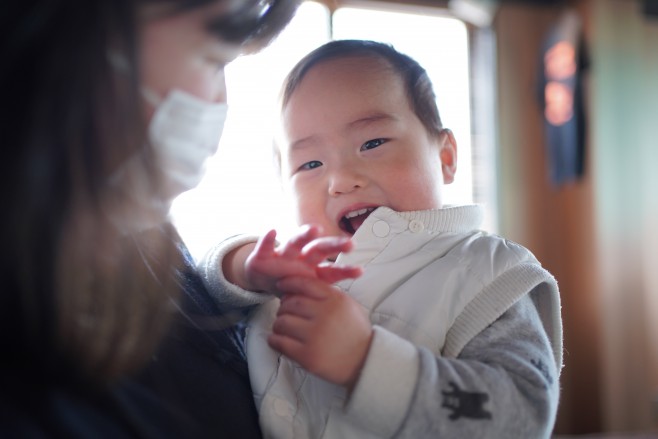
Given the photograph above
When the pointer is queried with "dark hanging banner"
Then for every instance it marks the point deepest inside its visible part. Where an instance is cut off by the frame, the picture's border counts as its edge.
(650, 8)
(561, 98)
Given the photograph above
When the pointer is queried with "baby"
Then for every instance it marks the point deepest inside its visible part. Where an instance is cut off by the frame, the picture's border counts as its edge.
(388, 314)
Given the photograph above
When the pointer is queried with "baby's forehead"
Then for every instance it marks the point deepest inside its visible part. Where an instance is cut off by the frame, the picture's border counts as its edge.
(367, 63)
(346, 85)
(344, 77)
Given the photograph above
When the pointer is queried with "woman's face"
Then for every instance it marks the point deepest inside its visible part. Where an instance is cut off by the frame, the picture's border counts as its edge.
(178, 51)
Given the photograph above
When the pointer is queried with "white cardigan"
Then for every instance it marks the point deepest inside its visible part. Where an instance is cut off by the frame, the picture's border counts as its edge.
(431, 281)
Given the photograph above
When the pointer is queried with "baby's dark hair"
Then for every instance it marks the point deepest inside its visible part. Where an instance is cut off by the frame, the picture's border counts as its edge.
(418, 86)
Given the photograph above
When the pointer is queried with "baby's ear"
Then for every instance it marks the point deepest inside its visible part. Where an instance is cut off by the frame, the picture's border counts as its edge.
(448, 155)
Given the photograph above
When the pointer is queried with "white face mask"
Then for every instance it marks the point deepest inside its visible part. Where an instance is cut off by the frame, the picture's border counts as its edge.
(184, 132)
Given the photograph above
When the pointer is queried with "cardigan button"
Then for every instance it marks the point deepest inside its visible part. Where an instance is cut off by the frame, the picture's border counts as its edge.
(282, 408)
(416, 226)
(381, 229)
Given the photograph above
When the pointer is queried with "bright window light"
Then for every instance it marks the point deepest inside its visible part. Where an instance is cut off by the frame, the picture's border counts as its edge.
(241, 192)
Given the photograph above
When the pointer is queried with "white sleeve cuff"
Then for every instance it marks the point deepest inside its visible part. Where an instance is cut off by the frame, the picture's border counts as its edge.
(382, 395)
(224, 293)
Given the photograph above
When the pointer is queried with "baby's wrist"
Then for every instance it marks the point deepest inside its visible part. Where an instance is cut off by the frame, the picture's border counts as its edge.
(233, 266)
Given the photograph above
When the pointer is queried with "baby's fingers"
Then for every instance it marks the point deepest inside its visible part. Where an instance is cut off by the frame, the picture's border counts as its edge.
(288, 346)
(331, 273)
(294, 246)
(265, 245)
(290, 336)
(308, 286)
(324, 248)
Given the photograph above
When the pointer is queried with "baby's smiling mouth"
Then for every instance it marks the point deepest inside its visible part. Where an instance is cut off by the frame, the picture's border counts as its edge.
(351, 222)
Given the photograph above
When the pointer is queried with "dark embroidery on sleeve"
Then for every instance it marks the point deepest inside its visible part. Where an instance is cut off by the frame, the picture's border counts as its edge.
(543, 369)
(465, 404)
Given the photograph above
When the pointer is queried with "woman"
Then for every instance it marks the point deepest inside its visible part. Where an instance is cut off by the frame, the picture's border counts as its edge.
(110, 109)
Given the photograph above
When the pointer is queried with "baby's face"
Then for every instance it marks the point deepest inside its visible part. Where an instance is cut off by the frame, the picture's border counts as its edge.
(351, 143)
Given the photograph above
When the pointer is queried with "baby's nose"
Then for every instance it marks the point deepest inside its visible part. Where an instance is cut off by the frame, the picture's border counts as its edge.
(345, 180)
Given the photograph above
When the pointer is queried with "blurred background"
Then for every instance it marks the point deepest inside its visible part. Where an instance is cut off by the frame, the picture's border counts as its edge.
(554, 105)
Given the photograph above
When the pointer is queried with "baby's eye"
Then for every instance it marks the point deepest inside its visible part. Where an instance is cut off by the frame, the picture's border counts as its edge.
(372, 144)
(310, 165)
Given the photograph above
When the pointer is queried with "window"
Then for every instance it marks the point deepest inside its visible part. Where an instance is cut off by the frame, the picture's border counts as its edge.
(240, 193)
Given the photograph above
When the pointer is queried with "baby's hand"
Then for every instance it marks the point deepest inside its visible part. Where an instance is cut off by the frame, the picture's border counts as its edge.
(306, 254)
(323, 329)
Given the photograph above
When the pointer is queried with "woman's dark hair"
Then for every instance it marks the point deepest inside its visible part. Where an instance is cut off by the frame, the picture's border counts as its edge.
(254, 22)
(74, 292)
(417, 84)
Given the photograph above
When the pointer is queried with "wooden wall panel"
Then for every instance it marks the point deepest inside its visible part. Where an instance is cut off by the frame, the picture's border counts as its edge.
(554, 222)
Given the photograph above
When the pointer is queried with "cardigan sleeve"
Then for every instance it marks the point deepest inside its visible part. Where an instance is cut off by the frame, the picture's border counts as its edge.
(504, 383)
(226, 295)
